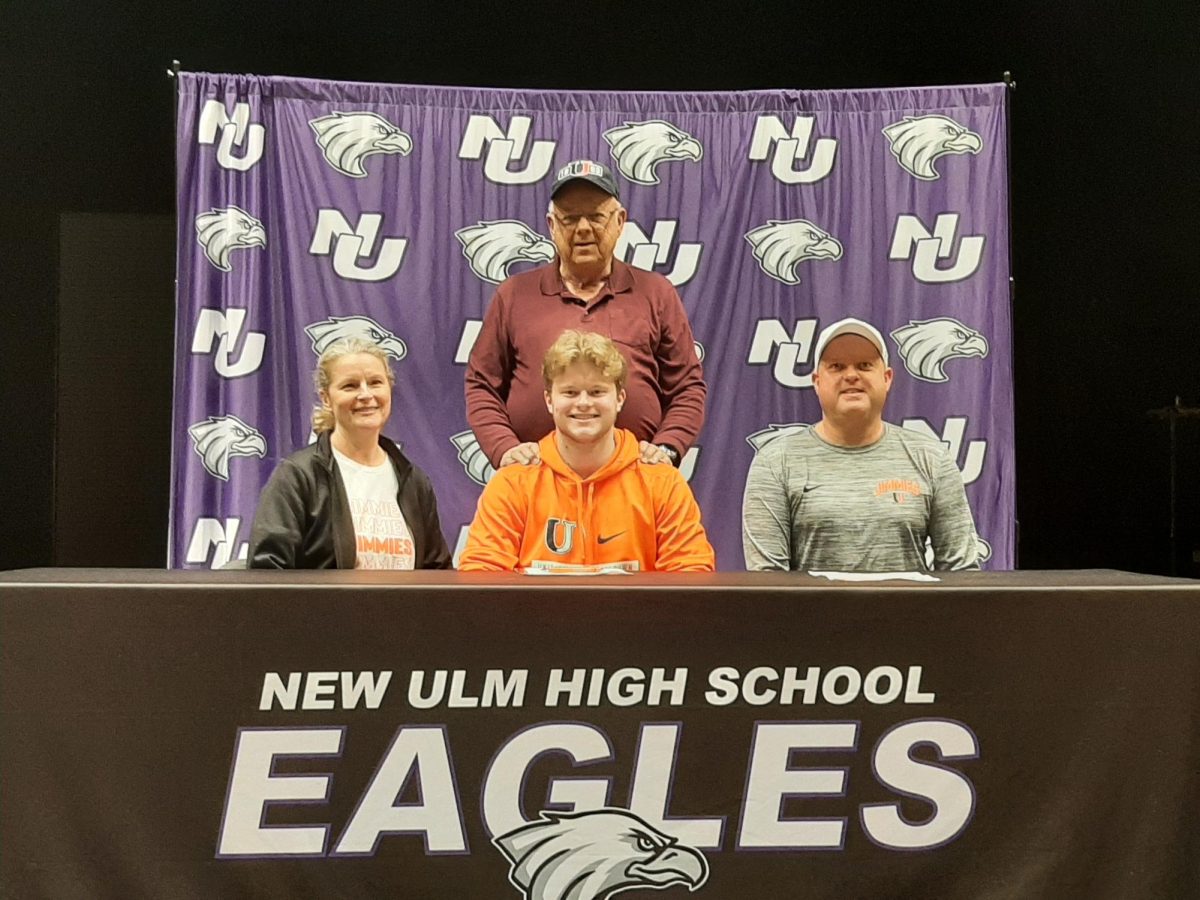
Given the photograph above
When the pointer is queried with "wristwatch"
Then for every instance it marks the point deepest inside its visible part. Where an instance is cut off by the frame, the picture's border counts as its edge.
(671, 452)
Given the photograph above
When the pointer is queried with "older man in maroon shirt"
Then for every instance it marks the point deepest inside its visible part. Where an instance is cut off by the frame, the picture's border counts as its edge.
(587, 289)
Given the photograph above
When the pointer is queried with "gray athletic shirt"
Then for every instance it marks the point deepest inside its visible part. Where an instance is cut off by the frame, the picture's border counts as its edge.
(812, 505)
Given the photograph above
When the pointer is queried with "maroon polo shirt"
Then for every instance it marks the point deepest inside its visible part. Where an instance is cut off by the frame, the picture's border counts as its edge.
(639, 310)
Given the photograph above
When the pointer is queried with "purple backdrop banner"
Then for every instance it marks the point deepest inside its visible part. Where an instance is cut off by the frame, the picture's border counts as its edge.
(312, 210)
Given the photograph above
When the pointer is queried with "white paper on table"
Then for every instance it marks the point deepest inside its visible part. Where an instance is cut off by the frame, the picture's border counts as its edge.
(875, 576)
(539, 568)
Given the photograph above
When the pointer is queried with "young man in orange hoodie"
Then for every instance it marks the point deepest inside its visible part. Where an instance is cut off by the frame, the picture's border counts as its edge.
(590, 504)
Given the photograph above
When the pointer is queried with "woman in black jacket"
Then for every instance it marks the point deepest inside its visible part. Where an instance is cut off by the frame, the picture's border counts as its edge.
(352, 499)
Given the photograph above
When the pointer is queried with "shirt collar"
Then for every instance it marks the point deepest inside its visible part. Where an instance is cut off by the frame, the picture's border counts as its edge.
(620, 280)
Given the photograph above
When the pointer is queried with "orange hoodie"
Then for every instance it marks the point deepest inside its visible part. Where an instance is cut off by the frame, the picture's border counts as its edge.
(628, 515)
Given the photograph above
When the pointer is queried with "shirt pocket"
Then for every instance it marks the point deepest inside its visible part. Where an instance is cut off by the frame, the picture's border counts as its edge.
(631, 329)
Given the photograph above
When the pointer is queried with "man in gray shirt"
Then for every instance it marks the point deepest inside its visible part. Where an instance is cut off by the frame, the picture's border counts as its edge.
(855, 493)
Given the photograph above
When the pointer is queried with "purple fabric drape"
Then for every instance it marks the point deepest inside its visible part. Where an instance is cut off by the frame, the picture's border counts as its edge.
(309, 210)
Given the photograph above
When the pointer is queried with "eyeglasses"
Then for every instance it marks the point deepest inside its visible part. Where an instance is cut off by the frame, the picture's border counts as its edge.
(598, 220)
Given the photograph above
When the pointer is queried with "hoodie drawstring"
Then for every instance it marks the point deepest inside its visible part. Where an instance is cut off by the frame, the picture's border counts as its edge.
(591, 495)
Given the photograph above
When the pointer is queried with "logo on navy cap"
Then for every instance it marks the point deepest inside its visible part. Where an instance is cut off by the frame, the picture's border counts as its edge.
(581, 168)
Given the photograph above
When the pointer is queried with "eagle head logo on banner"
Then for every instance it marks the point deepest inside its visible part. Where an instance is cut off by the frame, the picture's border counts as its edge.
(347, 139)
(919, 141)
(338, 328)
(220, 438)
(780, 246)
(491, 247)
(596, 855)
(927, 345)
(220, 231)
(638, 148)
(474, 461)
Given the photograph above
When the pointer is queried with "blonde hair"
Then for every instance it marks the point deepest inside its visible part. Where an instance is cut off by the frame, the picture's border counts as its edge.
(322, 418)
(587, 347)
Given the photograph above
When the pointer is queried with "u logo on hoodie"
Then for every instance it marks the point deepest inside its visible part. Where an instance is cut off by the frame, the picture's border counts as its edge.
(560, 536)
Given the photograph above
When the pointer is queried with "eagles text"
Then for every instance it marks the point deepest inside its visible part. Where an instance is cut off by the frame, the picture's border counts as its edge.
(771, 813)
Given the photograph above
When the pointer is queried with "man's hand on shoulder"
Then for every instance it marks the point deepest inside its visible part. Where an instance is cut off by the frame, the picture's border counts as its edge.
(655, 453)
(526, 454)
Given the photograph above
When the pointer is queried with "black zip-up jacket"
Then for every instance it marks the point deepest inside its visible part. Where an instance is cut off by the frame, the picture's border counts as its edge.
(303, 518)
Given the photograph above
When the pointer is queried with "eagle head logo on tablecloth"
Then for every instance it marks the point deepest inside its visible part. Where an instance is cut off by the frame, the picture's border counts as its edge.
(474, 460)
(638, 148)
(337, 328)
(927, 345)
(347, 139)
(221, 231)
(919, 141)
(780, 246)
(596, 855)
(491, 247)
(761, 438)
(220, 438)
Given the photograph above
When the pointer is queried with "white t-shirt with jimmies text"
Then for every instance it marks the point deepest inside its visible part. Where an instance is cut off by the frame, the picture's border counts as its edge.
(382, 539)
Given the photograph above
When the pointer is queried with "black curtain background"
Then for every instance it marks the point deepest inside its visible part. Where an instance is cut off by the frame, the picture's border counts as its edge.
(1105, 129)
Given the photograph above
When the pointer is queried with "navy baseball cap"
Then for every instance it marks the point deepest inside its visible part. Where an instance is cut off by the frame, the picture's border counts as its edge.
(586, 170)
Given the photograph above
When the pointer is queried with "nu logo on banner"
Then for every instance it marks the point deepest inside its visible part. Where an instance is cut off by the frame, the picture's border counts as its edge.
(218, 538)
(911, 235)
(646, 252)
(792, 147)
(350, 245)
(504, 148)
(970, 462)
(225, 329)
(235, 130)
(771, 338)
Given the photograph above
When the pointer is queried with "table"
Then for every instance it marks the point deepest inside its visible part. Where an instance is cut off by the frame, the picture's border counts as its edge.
(436, 734)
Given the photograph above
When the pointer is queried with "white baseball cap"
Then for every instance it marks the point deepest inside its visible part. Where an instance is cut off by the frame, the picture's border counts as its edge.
(851, 326)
